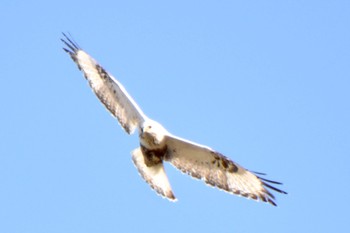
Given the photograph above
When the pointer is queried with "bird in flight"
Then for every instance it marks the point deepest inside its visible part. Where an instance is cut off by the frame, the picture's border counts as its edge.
(157, 145)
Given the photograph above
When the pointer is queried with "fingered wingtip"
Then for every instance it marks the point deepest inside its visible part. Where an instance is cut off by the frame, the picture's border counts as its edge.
(67, 50)
(73, 47)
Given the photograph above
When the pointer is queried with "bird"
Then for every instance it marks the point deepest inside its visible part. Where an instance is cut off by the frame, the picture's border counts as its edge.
(158, 146)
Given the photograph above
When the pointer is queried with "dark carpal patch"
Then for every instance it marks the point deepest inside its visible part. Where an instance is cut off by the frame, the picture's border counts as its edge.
(221, 161)
(102, 72)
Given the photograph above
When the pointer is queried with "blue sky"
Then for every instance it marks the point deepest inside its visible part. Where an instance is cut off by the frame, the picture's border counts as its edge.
(265, 83)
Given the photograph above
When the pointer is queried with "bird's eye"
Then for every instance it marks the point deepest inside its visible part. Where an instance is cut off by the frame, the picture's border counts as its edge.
(150, 127)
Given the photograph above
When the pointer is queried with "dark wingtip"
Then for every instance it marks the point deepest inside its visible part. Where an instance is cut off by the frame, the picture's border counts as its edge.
(270, 181)
(269, 198)
(272, 202)
(267, 183)
(274, 188)
(73, 47)
(67, 50)
(259, 173)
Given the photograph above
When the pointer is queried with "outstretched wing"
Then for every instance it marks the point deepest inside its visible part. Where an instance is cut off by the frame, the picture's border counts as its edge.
(153, 174)
(109, 91)
(217, 170)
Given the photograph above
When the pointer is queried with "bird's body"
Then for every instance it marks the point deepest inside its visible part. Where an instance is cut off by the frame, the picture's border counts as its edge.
(157, 145)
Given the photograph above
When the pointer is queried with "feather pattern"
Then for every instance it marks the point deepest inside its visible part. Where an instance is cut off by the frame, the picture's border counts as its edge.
(109, 91)
(216, 170)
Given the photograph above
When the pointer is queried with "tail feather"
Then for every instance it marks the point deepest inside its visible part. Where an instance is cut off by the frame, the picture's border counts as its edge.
(154, 175)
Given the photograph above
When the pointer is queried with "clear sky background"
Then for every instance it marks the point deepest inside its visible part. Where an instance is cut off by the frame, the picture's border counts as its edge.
(267, 83)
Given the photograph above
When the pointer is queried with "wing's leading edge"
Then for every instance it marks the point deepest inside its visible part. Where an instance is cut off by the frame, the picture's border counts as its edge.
(109, 91)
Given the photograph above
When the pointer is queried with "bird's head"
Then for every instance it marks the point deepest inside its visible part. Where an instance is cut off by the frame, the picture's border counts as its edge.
(152, 134)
